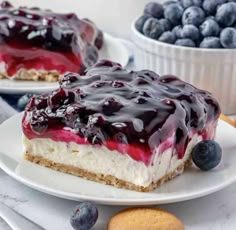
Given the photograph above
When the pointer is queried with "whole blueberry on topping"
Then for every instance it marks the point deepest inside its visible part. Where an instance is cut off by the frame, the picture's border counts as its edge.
(226, 14)
(168, 37)
(152, 28)
(23, 101)
(154, 9)
(207, 155)
(6, 4)
(177, 30)
(166, 24)
(140, 22)
(193, 15)
(209, 28)
(173, 12)
(185, 42)
(190, 31)
(211, 42)
(188, 3)
(210, 6)
(84, 216)
(69, 78)
(39, 122)
(228, 38)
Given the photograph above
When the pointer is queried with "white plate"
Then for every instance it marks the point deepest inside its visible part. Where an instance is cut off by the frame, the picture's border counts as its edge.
(113, 49)
(192, 184)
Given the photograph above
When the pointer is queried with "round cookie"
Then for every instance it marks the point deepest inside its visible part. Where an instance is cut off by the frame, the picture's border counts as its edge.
(144, 219)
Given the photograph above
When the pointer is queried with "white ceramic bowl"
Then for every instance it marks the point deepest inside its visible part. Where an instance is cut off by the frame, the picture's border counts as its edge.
(210, 69)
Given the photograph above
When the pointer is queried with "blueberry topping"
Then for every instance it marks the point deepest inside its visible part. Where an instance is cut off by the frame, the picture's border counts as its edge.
(166, 24)
(84, 216)
(140, 106)
(193, 15)
(188, 3)
(209, 28)
(191, 32)
(173, 12)
(226, 14)
(152, 28)
(168, 37)
(207, 155)
(140, 22)
(228, 38)
(154, 9)
(210, 6)
(185, 42)
(211, 43)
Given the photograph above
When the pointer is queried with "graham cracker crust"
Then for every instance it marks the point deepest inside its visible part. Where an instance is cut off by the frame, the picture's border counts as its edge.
(33, 75)
(104, 179)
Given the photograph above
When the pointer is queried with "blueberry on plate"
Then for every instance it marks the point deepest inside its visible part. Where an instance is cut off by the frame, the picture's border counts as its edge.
(226, 14)
(228, 38)
(154, 9)
(185, 42)
(190, 31)
(211, 43)
(210, 6)
(168, 37)
(193, 15)
(209, 28)
(84, 216)
(23, 101)
(152, 28)
(206, 155)
(166, 24)
(140, 22)
(188, 3)
(174, 12)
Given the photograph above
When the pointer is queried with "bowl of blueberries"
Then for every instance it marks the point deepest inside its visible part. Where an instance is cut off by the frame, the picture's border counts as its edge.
(192, 39)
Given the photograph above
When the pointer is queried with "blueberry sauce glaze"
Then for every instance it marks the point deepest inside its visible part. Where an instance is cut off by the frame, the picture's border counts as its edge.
(32, 38)
(131, 112)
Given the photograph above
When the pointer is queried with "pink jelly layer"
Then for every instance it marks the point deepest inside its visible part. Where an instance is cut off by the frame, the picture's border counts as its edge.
(136, 152)
(19, 57)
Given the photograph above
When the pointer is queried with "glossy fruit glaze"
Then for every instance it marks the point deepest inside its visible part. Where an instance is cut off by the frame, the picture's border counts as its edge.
(32, 38)
(131, 112)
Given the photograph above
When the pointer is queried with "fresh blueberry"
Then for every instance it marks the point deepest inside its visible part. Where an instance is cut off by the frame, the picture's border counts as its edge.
(210, 6)
(174, 12)
(84, 216)
(140, 22)
(154, 9)
(228, 38)
(188, 3)
(185, 42)
(207, 155)
(209, 28)
(226, 14)
(193, 15)
(211, 43)
(167, 3)
(190, 31)
(166, 24)
(23, 101)
(177, 30)
(168, 37)
(152, 28)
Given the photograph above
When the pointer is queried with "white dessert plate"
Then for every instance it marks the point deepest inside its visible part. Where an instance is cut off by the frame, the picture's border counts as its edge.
(192, 184)
(113, 49)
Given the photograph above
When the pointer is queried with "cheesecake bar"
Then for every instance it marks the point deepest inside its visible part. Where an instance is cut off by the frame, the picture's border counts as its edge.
(41, 45)
(129, 129)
